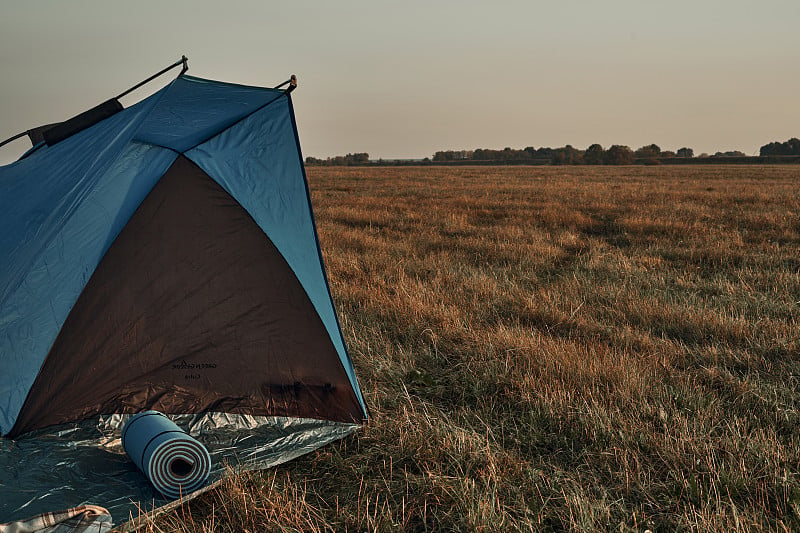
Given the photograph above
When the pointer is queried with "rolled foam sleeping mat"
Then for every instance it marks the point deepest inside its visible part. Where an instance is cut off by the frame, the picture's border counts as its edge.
(174, 462)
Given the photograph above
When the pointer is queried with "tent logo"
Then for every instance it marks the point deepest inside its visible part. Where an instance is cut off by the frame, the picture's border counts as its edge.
(183, 365)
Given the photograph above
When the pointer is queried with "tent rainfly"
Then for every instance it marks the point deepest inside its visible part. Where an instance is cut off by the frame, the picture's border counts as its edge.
(165, 257)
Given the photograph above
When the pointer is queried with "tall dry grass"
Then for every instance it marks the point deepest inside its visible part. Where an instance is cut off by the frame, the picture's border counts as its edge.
(552, 349)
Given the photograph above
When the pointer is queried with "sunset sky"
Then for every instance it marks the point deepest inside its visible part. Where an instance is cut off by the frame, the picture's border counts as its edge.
(405, 79)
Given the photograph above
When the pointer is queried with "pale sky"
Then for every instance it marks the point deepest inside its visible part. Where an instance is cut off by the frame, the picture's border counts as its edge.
(405, 79)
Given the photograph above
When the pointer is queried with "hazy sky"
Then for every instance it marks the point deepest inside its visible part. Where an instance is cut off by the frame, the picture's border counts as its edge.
(405, 79)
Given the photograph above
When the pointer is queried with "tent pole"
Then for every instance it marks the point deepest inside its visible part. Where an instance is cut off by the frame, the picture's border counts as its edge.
(292, 84)
(14, 138)
(182, 61)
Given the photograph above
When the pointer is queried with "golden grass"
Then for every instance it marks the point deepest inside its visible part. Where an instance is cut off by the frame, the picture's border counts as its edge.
(552, 348)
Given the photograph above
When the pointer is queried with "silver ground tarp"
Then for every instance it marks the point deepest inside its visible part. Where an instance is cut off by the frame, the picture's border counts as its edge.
(84, 463)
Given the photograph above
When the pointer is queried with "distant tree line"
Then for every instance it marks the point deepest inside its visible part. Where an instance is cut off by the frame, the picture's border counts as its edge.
(360, 158)
(790, 147)
(595, 154)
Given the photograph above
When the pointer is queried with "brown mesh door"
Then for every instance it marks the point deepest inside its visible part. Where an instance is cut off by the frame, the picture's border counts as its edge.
(192, 309)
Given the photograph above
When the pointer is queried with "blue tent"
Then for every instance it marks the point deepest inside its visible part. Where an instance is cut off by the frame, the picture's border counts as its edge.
(165, 257)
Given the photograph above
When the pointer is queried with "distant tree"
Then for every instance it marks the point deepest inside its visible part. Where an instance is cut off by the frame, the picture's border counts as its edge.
(685, 152)
(648, 152)
(790, 147)
(452, 155)
(594, 155)
(731, 153)
(510, 154)
(483, 154)
(571, 155)
(359, 158)
(668, 153)
(773, 148)
(649, 155)
(618, 155)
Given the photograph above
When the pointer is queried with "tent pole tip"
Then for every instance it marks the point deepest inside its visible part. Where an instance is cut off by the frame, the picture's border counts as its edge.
(292, 84)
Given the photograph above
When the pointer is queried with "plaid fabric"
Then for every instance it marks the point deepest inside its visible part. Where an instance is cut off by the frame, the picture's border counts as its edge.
(83, 519)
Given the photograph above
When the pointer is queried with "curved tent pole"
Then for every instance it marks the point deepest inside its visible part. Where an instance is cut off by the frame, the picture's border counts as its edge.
(183, 61)
(14, 138)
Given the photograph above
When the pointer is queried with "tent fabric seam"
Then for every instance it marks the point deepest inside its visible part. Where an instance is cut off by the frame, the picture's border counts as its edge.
(232, 124)
(72, 305)
(156, 145)
(230, 84)
(354, 383)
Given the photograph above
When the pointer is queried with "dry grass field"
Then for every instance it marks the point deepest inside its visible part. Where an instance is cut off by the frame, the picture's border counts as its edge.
(552, 348)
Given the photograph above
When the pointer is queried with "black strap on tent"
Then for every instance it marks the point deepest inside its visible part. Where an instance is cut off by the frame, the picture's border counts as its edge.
(70, 127)
(53, 133)
(292, 84)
